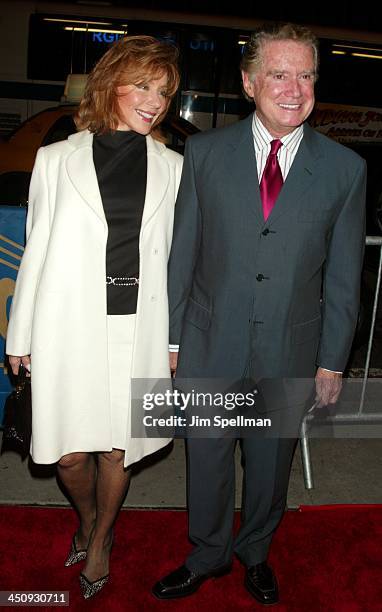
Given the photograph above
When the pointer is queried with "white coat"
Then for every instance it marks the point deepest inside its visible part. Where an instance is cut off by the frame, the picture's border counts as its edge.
(59, 313)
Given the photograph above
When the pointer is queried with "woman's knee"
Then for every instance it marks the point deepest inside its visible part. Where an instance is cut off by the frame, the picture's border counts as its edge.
(74, 460)
(114, 457)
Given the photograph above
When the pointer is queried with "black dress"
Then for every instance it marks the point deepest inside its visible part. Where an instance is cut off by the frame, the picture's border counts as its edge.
(120, 160)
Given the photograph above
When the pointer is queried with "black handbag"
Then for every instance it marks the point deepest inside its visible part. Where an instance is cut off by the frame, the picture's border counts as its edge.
(17, 422)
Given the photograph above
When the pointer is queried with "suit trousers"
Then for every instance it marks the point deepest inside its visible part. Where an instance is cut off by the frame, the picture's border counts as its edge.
(211, 498)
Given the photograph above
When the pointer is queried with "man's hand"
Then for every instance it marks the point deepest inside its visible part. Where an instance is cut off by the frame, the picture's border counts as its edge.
(173, 357)
(328, 387)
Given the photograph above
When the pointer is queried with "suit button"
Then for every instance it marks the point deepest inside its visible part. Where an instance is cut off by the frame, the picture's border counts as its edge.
(260, 277)
(265, 232)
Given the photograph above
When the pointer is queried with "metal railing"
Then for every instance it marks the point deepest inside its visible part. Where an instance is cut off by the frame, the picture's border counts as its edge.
(359, 415)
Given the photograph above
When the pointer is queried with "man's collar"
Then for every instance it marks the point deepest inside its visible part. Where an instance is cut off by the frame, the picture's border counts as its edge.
(263, 138)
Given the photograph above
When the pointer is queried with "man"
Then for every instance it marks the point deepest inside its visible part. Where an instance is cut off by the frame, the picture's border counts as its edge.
(264, 278)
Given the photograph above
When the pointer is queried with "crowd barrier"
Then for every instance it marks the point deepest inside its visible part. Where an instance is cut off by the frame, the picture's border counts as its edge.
(360, 416)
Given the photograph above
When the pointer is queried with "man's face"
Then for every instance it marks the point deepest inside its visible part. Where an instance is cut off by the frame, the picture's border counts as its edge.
(283, 87)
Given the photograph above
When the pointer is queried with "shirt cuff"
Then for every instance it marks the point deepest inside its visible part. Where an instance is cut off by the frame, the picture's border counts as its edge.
(173, 348)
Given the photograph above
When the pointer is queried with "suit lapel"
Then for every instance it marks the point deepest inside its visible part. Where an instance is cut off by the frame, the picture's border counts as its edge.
(158, 177)
(81, 171)
(241, 171)
(301, 176)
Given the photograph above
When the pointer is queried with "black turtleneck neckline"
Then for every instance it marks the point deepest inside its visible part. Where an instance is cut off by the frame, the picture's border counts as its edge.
(115, 138)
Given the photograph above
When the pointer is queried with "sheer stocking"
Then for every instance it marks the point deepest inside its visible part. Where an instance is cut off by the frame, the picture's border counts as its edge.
(77, 472)
(111, 487)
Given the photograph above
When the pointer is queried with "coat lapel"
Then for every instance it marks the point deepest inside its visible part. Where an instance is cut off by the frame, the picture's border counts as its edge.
(82, 173)
(158, 178)
(303, 173)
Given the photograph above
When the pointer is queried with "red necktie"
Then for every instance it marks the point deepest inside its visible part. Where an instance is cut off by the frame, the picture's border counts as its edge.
(272, 179)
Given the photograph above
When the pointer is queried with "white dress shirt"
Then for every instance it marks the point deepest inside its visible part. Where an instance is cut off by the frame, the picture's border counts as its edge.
(286, 154)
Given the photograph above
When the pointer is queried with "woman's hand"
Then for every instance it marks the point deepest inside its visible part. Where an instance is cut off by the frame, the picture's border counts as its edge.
(15, 362)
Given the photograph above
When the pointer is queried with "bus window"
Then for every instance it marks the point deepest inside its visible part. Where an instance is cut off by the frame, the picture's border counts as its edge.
(230, 56)
(199, 62)
(79, 43)
(350, 73)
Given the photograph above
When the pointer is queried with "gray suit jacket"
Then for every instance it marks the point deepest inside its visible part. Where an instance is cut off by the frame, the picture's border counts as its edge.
(241, 288)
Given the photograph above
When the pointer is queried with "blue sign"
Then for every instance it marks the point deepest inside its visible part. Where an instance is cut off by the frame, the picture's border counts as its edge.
(202, 45)
(104, 37)
(12, 238)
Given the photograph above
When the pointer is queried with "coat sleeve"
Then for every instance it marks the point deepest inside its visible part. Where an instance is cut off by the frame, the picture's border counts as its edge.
(342, 277)
(185, 245)
(37, 233)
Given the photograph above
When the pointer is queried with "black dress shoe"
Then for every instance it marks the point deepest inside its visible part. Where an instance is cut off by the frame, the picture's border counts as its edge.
(261, 582)
(183, 582)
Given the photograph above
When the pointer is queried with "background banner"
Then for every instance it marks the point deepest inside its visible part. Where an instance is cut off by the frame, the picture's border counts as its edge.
(12, 239)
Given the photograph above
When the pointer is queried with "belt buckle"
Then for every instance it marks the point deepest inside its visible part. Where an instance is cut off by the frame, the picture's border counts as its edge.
(120, 281)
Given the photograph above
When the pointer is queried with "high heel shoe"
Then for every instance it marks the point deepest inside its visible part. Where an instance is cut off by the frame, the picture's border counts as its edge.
(89, 589)
(75, 555)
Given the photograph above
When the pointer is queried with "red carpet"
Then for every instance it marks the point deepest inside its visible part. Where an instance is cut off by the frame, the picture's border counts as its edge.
(327, 558)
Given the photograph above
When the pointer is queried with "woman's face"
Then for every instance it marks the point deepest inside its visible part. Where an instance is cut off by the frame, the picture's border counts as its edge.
(141, 104)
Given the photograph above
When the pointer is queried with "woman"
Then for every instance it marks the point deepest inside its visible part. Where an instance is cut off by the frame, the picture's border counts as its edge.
(99, 227)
